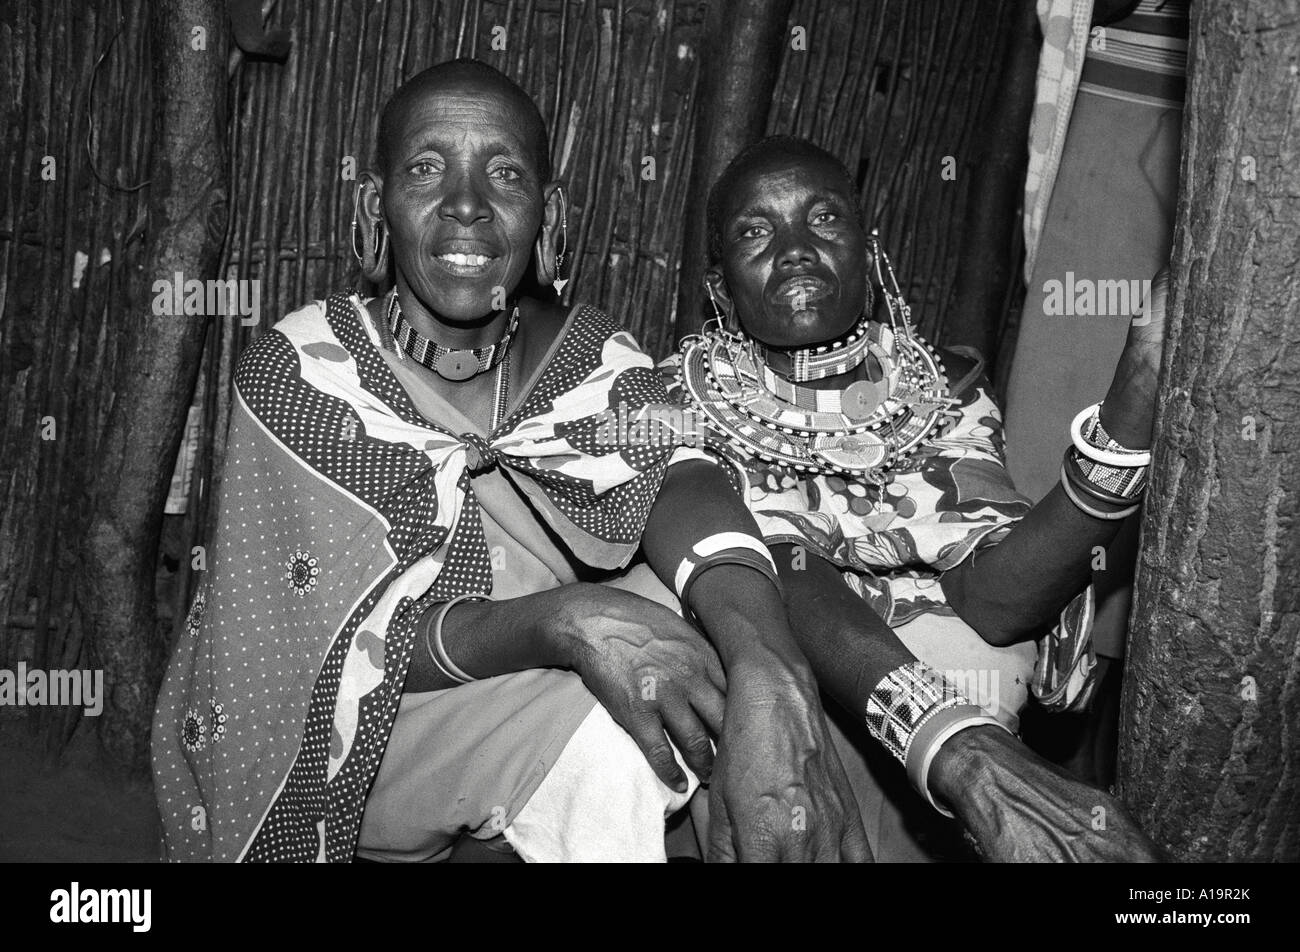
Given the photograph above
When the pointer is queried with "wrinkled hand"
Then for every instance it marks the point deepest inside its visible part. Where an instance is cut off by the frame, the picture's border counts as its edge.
(1021, 809)
(779, 792)
(653, 672)
(1147, 329)
(1128, 411)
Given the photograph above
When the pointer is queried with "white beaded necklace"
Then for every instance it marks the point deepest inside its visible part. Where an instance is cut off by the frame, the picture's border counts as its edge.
(865, 429)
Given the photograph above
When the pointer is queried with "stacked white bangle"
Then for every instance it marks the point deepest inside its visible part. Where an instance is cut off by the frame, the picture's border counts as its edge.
(1125, 459)
(433, 640)
(1102, 478)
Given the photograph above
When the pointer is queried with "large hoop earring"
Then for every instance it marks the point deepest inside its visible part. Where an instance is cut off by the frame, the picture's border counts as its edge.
(564, 239)
(356, 208)
(562, 252)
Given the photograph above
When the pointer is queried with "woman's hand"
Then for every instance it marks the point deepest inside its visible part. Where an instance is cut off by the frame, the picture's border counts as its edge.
(1147, 330)
(1020, 808)
(779, 792)
(656, 675)
(1128, 412)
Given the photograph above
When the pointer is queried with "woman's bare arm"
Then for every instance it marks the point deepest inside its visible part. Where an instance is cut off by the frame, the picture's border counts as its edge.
(1012, 591)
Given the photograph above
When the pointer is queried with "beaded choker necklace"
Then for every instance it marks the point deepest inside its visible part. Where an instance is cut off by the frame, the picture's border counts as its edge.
(827, 360)
(447, 362)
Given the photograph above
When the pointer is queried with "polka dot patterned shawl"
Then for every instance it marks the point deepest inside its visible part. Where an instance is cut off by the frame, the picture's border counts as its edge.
(344, 515)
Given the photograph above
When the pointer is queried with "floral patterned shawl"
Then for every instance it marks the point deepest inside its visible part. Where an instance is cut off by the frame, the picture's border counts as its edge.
(345, 514)
(952, 499)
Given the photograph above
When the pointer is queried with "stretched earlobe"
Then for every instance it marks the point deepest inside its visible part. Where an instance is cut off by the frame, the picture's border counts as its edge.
(549, 253)
(369, 236)
(544, 262)
(725, 312)
(374, 260)
(369, 241)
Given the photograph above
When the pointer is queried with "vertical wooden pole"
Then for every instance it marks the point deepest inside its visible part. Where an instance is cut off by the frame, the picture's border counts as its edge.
(987, 263)
(115, 607)
(741, 62)
(1209, 752)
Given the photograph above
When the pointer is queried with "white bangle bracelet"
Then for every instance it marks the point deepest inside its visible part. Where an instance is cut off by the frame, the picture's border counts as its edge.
(433, 641)
(1129, 459)
(711, 545)
(933, 749)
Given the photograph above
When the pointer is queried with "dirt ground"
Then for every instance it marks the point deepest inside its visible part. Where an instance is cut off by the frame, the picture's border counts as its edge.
(70, 812)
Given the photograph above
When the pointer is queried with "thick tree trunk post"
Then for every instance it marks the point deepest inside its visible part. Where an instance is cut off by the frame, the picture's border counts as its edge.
(1211, 707)
(738, 76)
(116, 606)
(987, 266)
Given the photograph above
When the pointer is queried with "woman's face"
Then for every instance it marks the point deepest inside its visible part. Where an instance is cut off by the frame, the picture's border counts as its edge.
(794, 258)
(462, 199)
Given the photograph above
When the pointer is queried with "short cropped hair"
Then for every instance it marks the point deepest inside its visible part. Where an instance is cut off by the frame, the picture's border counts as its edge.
(463, 68)
(750, 156)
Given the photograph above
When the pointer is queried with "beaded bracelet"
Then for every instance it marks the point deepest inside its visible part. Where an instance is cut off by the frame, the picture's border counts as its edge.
(1111, 454)
(1073, 471)
(912, 711)
(1108, 514)
(437, 652)
(1128, 480)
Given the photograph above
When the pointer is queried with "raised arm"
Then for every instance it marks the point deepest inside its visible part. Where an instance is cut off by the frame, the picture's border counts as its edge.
(1010, 592)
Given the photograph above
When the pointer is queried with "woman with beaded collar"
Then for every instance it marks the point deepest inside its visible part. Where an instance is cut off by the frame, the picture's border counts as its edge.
(874, 467)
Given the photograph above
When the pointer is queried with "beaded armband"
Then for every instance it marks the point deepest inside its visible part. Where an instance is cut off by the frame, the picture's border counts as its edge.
(903, 701)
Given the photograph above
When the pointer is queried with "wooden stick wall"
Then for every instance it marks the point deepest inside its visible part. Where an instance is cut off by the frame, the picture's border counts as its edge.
(892, 86)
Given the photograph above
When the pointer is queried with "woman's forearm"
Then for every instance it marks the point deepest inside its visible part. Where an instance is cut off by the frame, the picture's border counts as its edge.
(743, 616)
(849, 646)
(485, 639)
(740, 610)
(1012, 591)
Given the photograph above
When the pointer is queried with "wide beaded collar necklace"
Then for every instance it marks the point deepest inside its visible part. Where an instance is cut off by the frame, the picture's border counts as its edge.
(447, 362)
(863, 431)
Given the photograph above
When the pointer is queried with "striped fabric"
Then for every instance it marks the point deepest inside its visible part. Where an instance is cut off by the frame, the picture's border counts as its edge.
(1141, 58)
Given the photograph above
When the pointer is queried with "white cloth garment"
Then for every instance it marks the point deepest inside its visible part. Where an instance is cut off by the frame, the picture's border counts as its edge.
(599, 803)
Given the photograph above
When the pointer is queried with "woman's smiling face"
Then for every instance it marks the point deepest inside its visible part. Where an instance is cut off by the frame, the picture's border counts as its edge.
(794, 261)
(462, 197)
